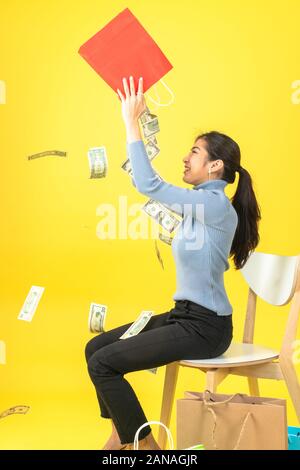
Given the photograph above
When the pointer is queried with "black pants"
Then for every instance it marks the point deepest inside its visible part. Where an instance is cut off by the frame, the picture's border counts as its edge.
(187, 331)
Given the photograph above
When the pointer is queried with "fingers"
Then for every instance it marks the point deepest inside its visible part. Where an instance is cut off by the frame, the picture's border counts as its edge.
(126, 88)
(120, 95)
(140, 88)
(132, 87)
(132, 90)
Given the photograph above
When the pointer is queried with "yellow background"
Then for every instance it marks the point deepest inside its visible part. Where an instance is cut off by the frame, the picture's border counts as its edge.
(234, 65)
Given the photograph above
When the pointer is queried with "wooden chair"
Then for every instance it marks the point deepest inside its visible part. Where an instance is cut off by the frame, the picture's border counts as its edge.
(275, 279)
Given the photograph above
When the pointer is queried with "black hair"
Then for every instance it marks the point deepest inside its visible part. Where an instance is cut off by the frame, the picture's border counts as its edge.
(246, 238)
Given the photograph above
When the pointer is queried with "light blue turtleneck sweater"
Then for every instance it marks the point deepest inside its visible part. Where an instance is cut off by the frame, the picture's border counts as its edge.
(201, 245)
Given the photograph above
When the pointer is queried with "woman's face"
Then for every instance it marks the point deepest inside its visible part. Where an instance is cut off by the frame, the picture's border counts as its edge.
(196, 165)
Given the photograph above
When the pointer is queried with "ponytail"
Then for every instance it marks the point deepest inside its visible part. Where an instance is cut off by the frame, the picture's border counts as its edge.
(246, 236)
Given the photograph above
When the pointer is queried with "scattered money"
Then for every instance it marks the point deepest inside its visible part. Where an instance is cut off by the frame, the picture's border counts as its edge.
(20, 409)
(158, 255)
(46, 153)
(152, 139)
(152, 151)
(2, 92)
(31, 303)
(149, 123)
(127, 167)
(165, 238)
(161, 214)
(151, 127)
(145, 116)
(97, 317)
(138, 325)
(98, 162)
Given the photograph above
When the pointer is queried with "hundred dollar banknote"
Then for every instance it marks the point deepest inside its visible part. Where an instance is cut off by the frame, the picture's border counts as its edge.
(98, 162)
(20, 409)
(161, 214)
(138, 325)
(97, 316)
(31, 303)
(46, 153)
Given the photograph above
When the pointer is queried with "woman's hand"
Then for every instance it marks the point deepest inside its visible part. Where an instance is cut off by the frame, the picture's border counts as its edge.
(133, 105)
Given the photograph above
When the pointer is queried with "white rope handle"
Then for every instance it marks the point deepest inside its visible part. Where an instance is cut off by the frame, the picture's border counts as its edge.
(136, 442)
(162, 104)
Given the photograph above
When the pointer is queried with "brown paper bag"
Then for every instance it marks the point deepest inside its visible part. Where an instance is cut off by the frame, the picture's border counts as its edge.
(230, 422)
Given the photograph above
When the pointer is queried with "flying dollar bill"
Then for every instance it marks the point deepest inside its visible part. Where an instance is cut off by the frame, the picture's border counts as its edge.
(138, 325)
(20, 409)
(126, 166)
(46, 153)
(31, 303)
(145, 116)
(149, 123)
(161, 214)
(164, 238)
(97, 316)
(158, 255)
(98, 162)
(152, 150)
(150, 127)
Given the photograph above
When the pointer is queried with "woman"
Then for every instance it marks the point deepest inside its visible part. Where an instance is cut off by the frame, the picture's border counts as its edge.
(200, 324)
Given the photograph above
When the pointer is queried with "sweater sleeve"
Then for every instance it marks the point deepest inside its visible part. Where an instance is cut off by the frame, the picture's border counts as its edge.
(182, 201)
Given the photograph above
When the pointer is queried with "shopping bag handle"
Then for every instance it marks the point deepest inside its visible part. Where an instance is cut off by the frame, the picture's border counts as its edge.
(207, 401)
(209, 406)
(170, 91)
(170, 438)
(240, 434)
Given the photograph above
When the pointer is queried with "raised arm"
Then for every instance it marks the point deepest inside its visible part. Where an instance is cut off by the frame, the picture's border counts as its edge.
(211, 202)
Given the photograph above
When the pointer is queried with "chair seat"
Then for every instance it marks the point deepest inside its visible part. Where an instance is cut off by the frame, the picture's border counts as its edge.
(236, 355)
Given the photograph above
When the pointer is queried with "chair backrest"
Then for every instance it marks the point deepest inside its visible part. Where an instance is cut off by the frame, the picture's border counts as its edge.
(276, 279)
(272, 277)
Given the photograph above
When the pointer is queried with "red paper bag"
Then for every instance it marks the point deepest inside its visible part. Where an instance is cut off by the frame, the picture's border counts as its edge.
(123, 48)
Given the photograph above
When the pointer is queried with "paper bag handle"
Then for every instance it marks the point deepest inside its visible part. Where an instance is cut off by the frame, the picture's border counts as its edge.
(136, 442)
(170, 91)
(215, 403)
(209, 408)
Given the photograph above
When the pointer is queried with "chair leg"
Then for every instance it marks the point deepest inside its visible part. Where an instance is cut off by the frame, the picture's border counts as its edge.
(214, 377)
(292, 383)
(170, 382)
(253, 386)
(211, 382)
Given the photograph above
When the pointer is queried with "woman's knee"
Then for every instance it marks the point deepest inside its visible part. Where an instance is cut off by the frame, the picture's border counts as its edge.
(96, 343)
(91, 347)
